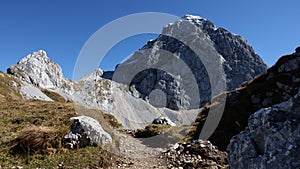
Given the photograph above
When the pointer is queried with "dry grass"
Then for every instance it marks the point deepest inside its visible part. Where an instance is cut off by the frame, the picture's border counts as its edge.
(9, 87)
(159, 135)
(151, 130)
(36, 139)
(31, 135)
(54, 96)
(112, 121)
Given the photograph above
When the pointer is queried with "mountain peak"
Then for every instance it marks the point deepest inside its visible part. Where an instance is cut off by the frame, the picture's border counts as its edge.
(37, 69)
(39, 55)
(193, 17)
(239, 62)
(203, 23)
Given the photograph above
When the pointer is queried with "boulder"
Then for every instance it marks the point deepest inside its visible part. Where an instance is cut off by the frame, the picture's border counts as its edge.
(86, 131)
(163, 120)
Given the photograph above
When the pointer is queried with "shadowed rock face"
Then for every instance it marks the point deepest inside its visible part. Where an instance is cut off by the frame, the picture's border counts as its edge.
(279, 84)
(239, 61)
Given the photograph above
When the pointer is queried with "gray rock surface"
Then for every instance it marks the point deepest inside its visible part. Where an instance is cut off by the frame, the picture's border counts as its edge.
(28, 91)
(162, 72)
(86, 131)
(272, 139)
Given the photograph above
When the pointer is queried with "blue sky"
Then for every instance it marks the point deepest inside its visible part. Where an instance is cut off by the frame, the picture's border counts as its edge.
(61, 27)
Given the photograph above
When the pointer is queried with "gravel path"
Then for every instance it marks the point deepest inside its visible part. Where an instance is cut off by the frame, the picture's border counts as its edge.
(134, 154)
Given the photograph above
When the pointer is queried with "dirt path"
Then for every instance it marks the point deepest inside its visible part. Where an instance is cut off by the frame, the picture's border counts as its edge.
(134, 154)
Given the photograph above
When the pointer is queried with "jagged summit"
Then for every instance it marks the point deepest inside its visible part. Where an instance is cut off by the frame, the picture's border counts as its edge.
(199, 21)
(96, 75)
(37, 69)
(39, 55)
(237, 57)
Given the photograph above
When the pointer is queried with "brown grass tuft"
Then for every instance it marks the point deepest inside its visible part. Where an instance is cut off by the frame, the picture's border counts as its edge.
(36, 139)
(54, 96)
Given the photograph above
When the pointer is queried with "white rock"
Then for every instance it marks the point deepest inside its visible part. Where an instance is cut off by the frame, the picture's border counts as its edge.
(86, 131)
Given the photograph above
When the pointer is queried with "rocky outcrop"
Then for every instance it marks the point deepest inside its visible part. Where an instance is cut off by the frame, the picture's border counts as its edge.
(171, 65)
(271, 140)
(86, 131)
(37, 69)
(279, 84)
(196, 154)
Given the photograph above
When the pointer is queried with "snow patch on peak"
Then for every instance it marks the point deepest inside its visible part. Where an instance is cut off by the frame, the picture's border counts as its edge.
(193, 17)
(203, 23)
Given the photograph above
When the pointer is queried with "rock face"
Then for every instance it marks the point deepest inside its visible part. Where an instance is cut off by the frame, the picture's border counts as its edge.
(279, 84)
(271, 140)
(162, 70)
(163, 120)
(39, 70)
(86, 131)
(196, 154)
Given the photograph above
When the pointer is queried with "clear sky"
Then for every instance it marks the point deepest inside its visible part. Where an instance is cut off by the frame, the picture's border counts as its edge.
(61, 27)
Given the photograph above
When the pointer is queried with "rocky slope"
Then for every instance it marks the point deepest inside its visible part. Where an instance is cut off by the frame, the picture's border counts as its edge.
(39, 76)
(279, 84)
(200, 47)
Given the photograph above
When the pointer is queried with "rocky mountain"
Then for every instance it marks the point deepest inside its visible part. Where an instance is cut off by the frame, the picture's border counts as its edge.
(180, 61)
(181, 69)
(40, 78)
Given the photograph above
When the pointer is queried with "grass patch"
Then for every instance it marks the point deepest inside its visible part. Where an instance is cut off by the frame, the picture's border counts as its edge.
(31, 133)
(36, 139)
(160, 135)
(151, 130)
(113, 122)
